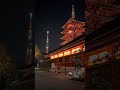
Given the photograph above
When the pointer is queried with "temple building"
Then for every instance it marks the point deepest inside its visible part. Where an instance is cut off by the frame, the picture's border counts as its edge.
(95, 42)
(102, 57)
(74, 33)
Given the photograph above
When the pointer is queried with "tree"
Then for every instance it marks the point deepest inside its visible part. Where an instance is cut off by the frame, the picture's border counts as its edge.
(5, 65)
(38, 53)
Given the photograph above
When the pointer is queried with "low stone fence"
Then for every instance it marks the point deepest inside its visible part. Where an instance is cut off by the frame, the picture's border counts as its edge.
(65, 70)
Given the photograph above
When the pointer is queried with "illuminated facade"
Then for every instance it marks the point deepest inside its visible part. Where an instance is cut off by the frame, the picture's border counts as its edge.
(64, 55)
(74, 40)
(73, 29)
(101, 58)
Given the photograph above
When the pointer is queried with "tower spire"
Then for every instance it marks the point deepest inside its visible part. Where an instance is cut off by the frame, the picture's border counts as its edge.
(30, 20)
(47, 42)
(73, 11)
(29, 43)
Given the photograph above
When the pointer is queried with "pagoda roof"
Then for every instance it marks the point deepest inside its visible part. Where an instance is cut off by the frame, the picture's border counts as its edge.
(100, 3)
(98, 7)
(94, 17)
(65, 42)
(104, 29)
(71, 21)
(77, 31)
(66, 36)
(67, 29)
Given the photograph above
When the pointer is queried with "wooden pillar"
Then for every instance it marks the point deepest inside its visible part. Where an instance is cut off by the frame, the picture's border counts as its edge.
(63, 59)
(88, 79)
(71, 58)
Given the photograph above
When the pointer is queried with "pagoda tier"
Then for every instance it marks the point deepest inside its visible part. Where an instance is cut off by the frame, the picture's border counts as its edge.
(63, 43)
(72, 22)
(74, 32)
(99, 12)
(73, 29)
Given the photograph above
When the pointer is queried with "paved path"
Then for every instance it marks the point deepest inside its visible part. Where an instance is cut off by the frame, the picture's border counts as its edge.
(50, 81)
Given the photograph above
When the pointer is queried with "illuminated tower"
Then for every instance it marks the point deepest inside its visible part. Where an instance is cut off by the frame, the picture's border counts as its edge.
(47, 42)
(72, 29)
(29, 43)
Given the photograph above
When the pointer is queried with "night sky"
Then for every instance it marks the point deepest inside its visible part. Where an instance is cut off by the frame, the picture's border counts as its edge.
(52, 15)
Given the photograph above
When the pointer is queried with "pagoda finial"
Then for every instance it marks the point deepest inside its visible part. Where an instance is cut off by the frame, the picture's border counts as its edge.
(73, 12)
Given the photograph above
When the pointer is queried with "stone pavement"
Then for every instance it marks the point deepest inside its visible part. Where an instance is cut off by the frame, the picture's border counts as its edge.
(59, 81)
(62, 76)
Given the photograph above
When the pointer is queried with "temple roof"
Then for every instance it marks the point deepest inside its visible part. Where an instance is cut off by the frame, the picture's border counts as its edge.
(100, 12)
(72, 22)
(104, 29)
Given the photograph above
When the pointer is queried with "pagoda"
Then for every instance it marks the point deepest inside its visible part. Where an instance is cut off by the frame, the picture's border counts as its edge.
(72, 29)
(99, 12)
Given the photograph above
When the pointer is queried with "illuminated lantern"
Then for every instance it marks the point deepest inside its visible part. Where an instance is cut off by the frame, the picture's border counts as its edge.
(61, 55)
(66, 53)
(77, 50)
(52, 57)
(56, 56)
(73, 51)
(84, 48)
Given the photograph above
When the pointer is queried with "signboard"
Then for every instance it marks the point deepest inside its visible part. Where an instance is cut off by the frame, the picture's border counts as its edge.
(98, 56)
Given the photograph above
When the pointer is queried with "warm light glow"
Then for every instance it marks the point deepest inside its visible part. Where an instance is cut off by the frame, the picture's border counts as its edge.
(61, 55)
(84, 48)
(73, 51)
(70, 32)
(56, 56)
(52, 57)
(76, 50)
(66, 53)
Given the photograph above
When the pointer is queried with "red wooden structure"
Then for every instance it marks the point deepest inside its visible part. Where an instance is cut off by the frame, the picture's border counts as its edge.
(73, 29)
